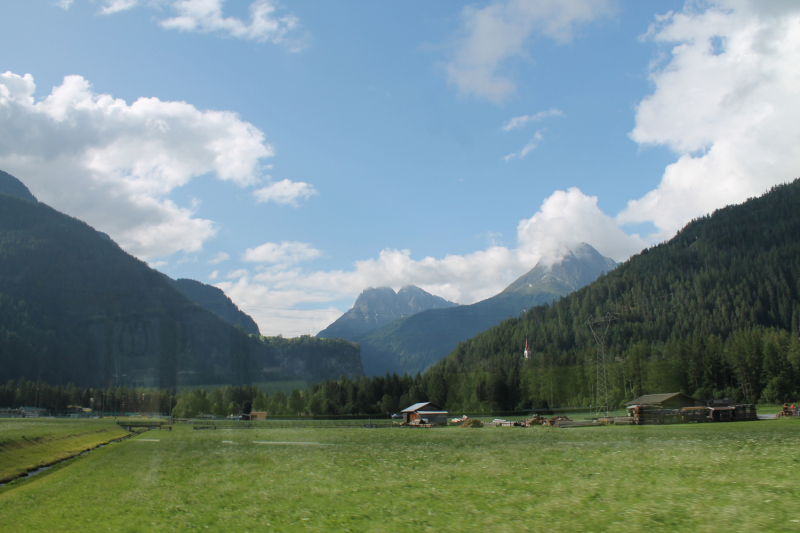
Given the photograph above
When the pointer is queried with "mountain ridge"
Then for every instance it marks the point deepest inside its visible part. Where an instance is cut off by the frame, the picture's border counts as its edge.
(215, 300)
(74, 307)
(377, 306)
(413, 344)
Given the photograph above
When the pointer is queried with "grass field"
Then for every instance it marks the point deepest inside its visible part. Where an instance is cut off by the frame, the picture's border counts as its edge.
(26, 444)
(708, 477)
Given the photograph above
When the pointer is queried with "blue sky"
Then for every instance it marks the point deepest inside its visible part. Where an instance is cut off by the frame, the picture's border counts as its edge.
(296, 153)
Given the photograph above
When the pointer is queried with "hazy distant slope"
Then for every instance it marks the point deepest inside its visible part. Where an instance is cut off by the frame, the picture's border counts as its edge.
(377, 307)
(216, 301)
(413, 344)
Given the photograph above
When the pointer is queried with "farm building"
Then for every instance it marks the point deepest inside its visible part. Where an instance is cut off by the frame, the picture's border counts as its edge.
(671, 400)
(426, 412)
(258, 415)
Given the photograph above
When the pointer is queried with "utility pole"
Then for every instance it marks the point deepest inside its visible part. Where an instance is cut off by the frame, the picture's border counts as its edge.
(599, 328)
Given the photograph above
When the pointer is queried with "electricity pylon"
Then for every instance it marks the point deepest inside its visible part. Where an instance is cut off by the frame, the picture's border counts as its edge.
(599, 332)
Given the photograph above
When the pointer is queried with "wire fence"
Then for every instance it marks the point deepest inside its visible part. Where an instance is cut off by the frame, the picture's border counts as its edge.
(283, 424)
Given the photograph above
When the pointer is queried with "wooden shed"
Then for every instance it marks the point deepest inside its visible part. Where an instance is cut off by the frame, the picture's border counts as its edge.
(426, 412)
(671, 400)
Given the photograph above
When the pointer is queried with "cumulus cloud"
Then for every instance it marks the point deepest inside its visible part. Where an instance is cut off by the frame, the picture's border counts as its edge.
(213, 275)
(518, 122)
(206, 16)
(64, 4)
(285, 253)
(504, 30)
(564, 219)
(114, 164)
(726, 102)
(285, 192)
(570, 217)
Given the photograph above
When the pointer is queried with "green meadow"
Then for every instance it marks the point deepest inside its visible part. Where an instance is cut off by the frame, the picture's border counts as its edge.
(26, 444)
(708, 477)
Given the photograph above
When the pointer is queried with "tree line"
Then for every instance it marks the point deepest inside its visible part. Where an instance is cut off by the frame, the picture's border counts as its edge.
(67, 399)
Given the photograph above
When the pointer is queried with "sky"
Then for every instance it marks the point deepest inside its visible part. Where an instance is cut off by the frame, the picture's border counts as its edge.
(294, 154)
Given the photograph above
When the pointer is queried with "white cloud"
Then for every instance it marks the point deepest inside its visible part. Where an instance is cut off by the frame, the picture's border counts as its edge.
(532, 144)
(236, 274)
(219, 258)
(113, 165)
(115, 6)
(564, 219)
(503, 30)
(206, 16)
(285, 192)
(727, 103)
(65, 4)
(213, 275)
(570, 217)
(285, 253)
(518, 122)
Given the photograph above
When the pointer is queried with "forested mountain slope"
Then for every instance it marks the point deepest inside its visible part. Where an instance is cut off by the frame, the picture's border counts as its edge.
(216, 301)
(714, 312)
(413, 344)
(76, 308)
(13, 187)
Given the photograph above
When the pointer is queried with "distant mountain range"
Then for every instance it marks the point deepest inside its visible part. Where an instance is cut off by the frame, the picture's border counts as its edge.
(377, 307)
(413, 343)
(74, 307)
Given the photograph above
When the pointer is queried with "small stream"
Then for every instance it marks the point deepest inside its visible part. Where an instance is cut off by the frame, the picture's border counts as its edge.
(41, 469)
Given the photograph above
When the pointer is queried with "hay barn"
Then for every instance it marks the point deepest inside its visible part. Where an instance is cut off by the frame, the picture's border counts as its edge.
(425, 411)
(671, 400)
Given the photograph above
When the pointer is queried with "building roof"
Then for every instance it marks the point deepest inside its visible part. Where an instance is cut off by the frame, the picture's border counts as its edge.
(432, 408)
(657, 398)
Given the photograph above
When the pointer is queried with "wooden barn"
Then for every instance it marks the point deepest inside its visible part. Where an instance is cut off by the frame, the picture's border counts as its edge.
(426, 413)
(670, 400)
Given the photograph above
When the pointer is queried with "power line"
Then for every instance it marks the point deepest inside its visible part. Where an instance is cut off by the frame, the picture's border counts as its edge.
(599, 332)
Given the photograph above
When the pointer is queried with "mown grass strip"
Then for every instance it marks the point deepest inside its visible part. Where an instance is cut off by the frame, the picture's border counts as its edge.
(26, 445)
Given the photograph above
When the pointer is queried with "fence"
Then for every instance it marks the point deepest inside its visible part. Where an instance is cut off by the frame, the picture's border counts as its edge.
(283, 424)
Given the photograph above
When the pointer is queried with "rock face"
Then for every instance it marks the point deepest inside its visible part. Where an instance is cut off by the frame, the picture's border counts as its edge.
(216, 301)
(578, 268)
(76, 308)
(377, 307)
(413, 344)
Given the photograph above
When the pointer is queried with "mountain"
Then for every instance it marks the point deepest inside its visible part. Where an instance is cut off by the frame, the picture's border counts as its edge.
(377, 307)
(579, 267)
(713, 312)
(216, 301)
(13, 187)
(76, 308)
(412, 344)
